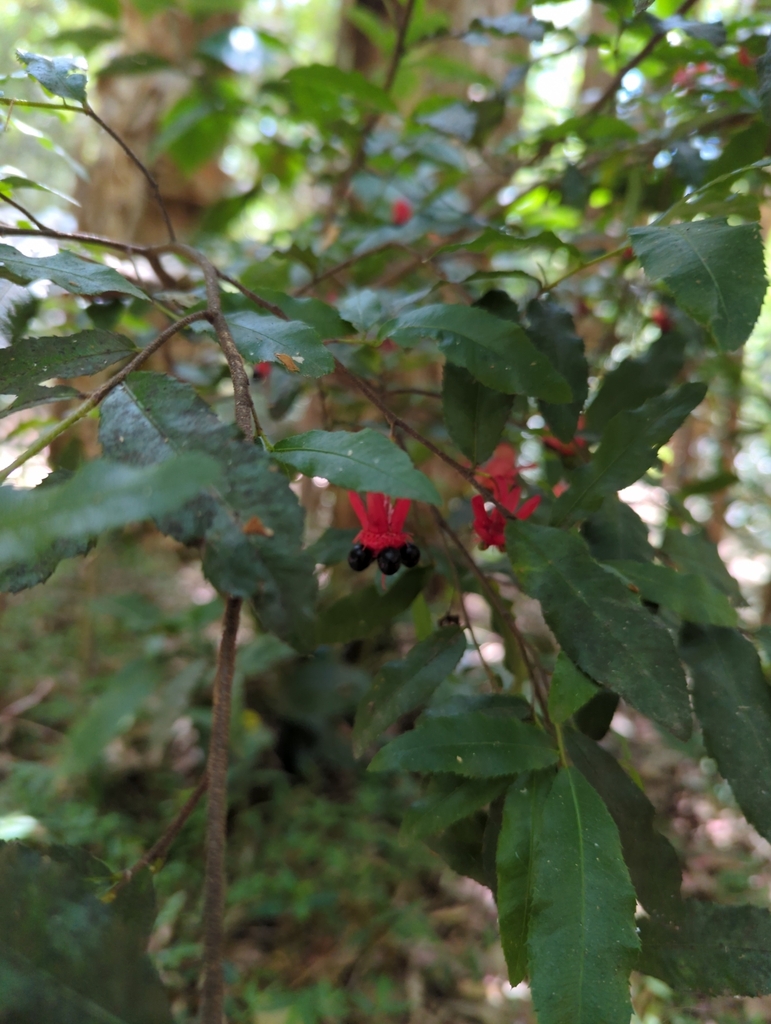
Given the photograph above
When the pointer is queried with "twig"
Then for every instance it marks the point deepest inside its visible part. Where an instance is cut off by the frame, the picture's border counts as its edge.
(90, 112)
(245, 411)
(505, 616)
(646, 51)
(263, 303)
(584, 266)
(102, 391)
(159, 850)
(31, 217)
(344, 265)
(213, 989)
(30, 700)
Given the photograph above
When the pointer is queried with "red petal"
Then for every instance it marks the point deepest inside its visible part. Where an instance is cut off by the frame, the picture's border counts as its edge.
(399, 514)
(528, 507)
(358, 507)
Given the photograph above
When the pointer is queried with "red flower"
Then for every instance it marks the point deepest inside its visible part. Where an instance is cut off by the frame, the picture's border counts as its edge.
(662, 319)
(401, 211)
(744, 57)
(382, 523)
(262, 371)
(500, 475)
(571, 448)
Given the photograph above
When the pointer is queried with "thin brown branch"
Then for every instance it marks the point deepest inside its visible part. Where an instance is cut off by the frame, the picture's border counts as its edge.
(89, 110)
(213, 988)
(17, 206)
(345, 264)
(507, 619)
(102, 391)
(646, 51)
(28, 701)
(262, 303)
(245, 411)
(399, 46)
(159, 850)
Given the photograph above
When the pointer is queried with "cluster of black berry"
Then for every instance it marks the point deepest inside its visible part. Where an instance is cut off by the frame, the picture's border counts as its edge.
(388, 560)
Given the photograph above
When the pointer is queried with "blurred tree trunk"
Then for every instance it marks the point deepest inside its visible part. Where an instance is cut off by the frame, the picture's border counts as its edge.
(116, 200)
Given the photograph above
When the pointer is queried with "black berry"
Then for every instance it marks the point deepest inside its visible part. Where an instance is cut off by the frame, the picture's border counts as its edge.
(410, 555)
(389, 561)
(360, 557)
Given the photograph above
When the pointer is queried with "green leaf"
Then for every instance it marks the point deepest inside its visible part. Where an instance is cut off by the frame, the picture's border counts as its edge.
(264, 338)
(515, 863)
(732, 701)
(366, 611)
(362, 461)
(67, 956)
(324, 319)
(497, 352)
(687, 595)
(36, 395)
(653, 864)
(134, 64)
(616, 531)
(324, 94)
(109, 715)
(695, 553)
(34, 360)
(512, 24)
(636, 379)
(600, 624)
(460, 846)
(715, 271)
(628, 449)
(28, 573)
(570, 689)
(100, 496)
(401, 686)
(86, 38)
(448, 800)
(148, 419)
(550, 328)
(473, 414)
(62, 76)
(70, 272)
(332, 546)
(710, 951)
(582, 943)
(475, 745)
(10, 183)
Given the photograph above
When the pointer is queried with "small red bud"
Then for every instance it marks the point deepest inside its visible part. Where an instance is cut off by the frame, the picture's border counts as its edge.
(628, 253)
(744, 57)
(262, 371)
(401, 211)
(662, 319)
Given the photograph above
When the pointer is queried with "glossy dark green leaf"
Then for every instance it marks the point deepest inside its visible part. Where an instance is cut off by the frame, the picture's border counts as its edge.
(34, 360)
(550, 328)
(595, 718)
(600, 624)
(687, 595)
(100, 496)
(710, 950)
(62, 76)
(265, 338)
(616, 531)
(67, 956)
(460, 846)
(368, 610)
(70, 272)
(497, 352)
(475, 745)
(653, 864)
(515, 864)
(251, 525)
(448, 799)
(715, 271)
(696, 553)
(401, 686)
(636, 379)
(582, 943)
(628, 449)
(28, 573)
(473, 414)
(570, 689)
(361, 461)
(732, 701)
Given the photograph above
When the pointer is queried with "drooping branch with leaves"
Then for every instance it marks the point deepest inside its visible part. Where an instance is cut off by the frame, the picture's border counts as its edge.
(483, 374)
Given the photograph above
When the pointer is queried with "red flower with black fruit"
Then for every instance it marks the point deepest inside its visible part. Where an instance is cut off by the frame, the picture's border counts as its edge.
(500, 475)
(401, 211)
(382, 535)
